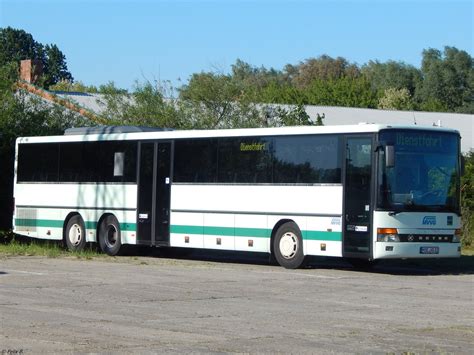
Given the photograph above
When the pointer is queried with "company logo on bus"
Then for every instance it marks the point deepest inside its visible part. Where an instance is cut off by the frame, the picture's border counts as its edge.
(429, 220)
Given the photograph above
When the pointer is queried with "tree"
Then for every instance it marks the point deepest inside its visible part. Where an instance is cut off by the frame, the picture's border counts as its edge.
(212, 99)
(55, 67)
(467, 200)
(323, 68)
(76, 86)
(345, 92)
(396, 99)
(16, 45)
(145, 106)
(448, 80)
(296, 116)
(392, 75)
(22, 114)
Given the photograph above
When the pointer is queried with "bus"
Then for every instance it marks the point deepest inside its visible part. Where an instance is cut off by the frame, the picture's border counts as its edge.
(363, 192)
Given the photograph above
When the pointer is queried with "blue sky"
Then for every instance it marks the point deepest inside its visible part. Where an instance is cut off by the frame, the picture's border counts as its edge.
(124, 41)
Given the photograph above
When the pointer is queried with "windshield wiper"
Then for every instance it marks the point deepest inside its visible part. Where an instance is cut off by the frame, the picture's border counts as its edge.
(394, 213)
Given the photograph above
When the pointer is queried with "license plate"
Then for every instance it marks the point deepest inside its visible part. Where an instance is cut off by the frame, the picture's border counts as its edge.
(429, 250)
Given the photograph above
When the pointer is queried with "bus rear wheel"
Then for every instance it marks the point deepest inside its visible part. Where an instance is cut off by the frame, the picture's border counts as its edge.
(75, 234)
(109, 236)
(288, 246)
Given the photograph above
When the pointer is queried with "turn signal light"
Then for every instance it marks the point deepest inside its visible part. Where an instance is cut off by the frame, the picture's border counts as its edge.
(387, 231)
(457, 235)
(387, 235)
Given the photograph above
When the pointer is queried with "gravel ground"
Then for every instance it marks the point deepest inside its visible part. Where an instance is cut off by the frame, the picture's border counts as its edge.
(201, 304)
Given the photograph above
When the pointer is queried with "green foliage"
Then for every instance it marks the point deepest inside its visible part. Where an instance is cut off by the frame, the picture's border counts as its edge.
(448, 80)
(392, 75)
(22, 114)
(17, 245)
(55, 67)
(213, 100)
(345, 92)
(467, 201)
(323, 68)
(396, 99)
(16, 45)
(145, 106)
(77, 86)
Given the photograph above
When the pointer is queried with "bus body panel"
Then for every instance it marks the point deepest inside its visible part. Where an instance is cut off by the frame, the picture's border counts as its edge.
(242, 217)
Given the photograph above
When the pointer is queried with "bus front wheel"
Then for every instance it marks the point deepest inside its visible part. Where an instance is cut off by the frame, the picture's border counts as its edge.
(288, 246)
(109, 236)
(75, 234)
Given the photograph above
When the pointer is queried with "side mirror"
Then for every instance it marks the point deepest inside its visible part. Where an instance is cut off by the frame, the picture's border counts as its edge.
(463, 164)
(389, 156)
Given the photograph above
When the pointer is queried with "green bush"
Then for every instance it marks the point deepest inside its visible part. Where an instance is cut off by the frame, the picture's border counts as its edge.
(467, 201)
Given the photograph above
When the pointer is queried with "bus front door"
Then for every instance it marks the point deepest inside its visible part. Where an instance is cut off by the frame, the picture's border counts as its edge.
(357, 207)
(154, 188)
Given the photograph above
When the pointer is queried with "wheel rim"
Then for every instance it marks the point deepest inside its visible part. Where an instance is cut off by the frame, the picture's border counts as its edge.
(75, 234)
(288, 245)
(111, 236)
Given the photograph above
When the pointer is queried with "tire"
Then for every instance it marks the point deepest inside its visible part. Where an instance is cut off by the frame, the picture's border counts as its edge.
(75, 234)
(288, 246)
(109, 236)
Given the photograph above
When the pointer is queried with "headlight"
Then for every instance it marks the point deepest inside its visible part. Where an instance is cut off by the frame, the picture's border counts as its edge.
(387, 235)
(457, 236)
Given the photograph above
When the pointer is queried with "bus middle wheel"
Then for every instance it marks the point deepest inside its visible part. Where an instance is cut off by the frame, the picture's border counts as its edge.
(109, 236)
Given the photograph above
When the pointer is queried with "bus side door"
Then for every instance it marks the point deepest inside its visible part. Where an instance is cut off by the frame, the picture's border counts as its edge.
(357, 197)
(154, 188)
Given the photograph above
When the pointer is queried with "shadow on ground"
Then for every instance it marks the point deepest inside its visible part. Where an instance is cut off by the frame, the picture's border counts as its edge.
(414, 267)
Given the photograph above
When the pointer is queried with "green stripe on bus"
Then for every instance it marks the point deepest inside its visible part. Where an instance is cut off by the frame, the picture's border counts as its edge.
(317, 235)
(38, 223)
(128, 227)
(90, 225)
(230, 231)
(49, 223)
(250, 232)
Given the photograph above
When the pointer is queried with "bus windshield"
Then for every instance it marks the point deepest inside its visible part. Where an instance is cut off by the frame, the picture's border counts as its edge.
(425, 175)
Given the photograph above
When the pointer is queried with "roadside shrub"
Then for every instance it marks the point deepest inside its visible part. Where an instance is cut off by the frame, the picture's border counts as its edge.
(467, 201)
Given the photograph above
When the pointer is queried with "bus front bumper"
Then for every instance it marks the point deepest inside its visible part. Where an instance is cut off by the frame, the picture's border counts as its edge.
(401, 250)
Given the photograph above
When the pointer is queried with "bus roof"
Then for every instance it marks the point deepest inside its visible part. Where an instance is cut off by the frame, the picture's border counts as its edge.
(240, 132)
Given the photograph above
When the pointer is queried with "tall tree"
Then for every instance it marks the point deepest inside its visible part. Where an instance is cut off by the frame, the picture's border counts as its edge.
(324, 68)
(16, 45)
(448, 80)
(55, 67)
(392, 75)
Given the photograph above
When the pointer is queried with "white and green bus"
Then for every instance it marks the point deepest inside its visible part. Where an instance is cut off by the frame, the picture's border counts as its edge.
(363, 192)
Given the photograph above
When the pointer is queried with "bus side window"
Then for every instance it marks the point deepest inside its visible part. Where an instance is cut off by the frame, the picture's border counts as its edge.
(119, 158)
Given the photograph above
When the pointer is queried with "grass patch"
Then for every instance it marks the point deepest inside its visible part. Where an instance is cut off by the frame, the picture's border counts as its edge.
(468, 250)
(22, 246)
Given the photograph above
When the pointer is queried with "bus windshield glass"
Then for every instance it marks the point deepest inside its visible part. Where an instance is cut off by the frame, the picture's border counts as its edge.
(425, 175)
